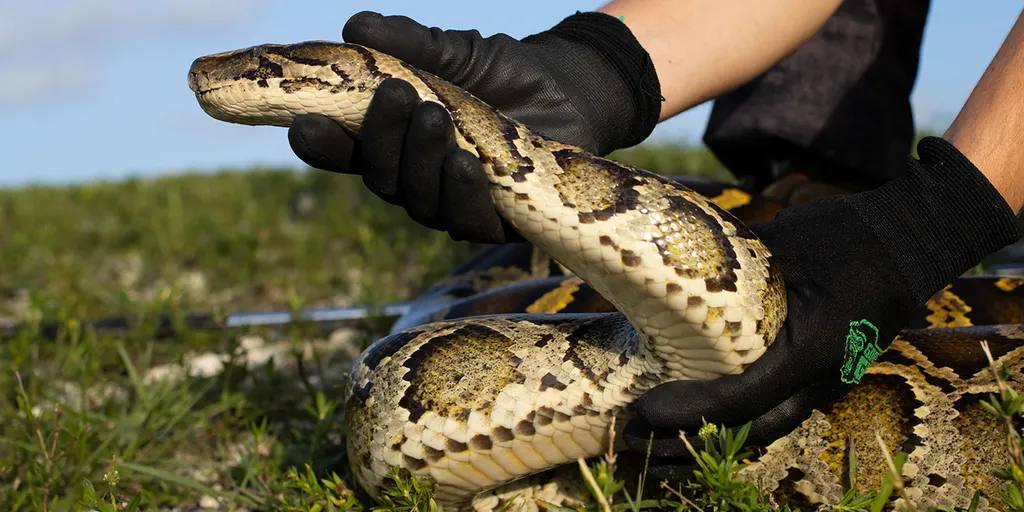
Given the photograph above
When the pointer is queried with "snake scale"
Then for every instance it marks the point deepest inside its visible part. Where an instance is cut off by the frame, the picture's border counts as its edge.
(474, 405)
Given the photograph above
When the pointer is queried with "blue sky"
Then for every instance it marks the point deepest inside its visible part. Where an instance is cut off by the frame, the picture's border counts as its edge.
(96, 88)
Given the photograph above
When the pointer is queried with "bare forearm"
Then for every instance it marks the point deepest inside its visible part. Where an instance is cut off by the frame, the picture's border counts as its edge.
(703, 48)
(990, 127)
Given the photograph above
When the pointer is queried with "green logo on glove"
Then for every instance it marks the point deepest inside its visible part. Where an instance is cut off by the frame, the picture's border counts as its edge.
(861, 350)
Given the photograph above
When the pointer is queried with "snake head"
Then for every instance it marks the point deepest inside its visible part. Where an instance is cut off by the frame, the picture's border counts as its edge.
(271, 84)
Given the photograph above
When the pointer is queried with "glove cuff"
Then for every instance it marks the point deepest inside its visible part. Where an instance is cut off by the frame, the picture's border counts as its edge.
(938, 220)
(612, 41)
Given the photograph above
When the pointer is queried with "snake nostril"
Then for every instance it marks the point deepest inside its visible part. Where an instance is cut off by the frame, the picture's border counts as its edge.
(193, 80)
(198, 74)
(193, 75)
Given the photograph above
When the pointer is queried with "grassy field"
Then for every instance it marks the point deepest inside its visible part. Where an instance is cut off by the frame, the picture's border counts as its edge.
(88, 403)
(245, 420)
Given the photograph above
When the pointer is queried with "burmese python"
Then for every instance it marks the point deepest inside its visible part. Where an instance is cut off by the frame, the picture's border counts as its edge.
(471, 404)
(922, 395)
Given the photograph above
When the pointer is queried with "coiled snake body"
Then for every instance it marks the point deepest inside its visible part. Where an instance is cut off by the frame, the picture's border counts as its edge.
(473, 404)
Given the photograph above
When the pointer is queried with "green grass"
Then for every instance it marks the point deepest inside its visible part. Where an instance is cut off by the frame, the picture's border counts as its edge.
(85, 422)
(245, 239)
(673, 159)
(79, 409)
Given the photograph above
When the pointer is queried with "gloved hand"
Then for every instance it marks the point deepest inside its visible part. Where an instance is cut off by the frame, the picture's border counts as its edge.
(856, 268)
(587, 82)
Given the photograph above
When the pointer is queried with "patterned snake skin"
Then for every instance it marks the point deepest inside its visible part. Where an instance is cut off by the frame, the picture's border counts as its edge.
(472, 405)
(922, 396)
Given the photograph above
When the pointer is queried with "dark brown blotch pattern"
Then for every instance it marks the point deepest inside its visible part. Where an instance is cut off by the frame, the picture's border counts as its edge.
(433, 454)
(591, 342)
(459, 372)
(525, 428)
(455, 446)
(413, 463)
(480, 442)
(549, 380)
(477, 122)
(502, 434)
(598, 189)
(386, 347)
(701, 248)
(294, 54)
(630, 258)
(264, 69)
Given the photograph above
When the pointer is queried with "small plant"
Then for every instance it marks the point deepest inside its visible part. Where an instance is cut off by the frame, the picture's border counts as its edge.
(1008, 406)
(600, 478)
(315, 494)
(406, 494)
(92, 500)
(892, 481)
(716, 484)
(853, 501)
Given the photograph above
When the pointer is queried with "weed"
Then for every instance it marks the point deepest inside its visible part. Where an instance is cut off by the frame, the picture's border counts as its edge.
(406, 494)
(1008, 407)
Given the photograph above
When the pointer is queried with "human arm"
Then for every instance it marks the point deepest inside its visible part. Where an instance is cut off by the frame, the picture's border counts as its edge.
(989, 126)
(704, 48)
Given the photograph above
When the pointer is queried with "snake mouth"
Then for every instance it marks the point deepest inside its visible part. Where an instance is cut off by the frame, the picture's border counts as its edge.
(205, 91)
(200, 92)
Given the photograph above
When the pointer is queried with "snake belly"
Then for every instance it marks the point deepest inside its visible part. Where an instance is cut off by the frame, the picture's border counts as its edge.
(475, 404)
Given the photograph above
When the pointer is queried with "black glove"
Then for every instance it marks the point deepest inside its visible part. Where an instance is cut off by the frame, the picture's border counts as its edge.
(587, 82)
(856, 268)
